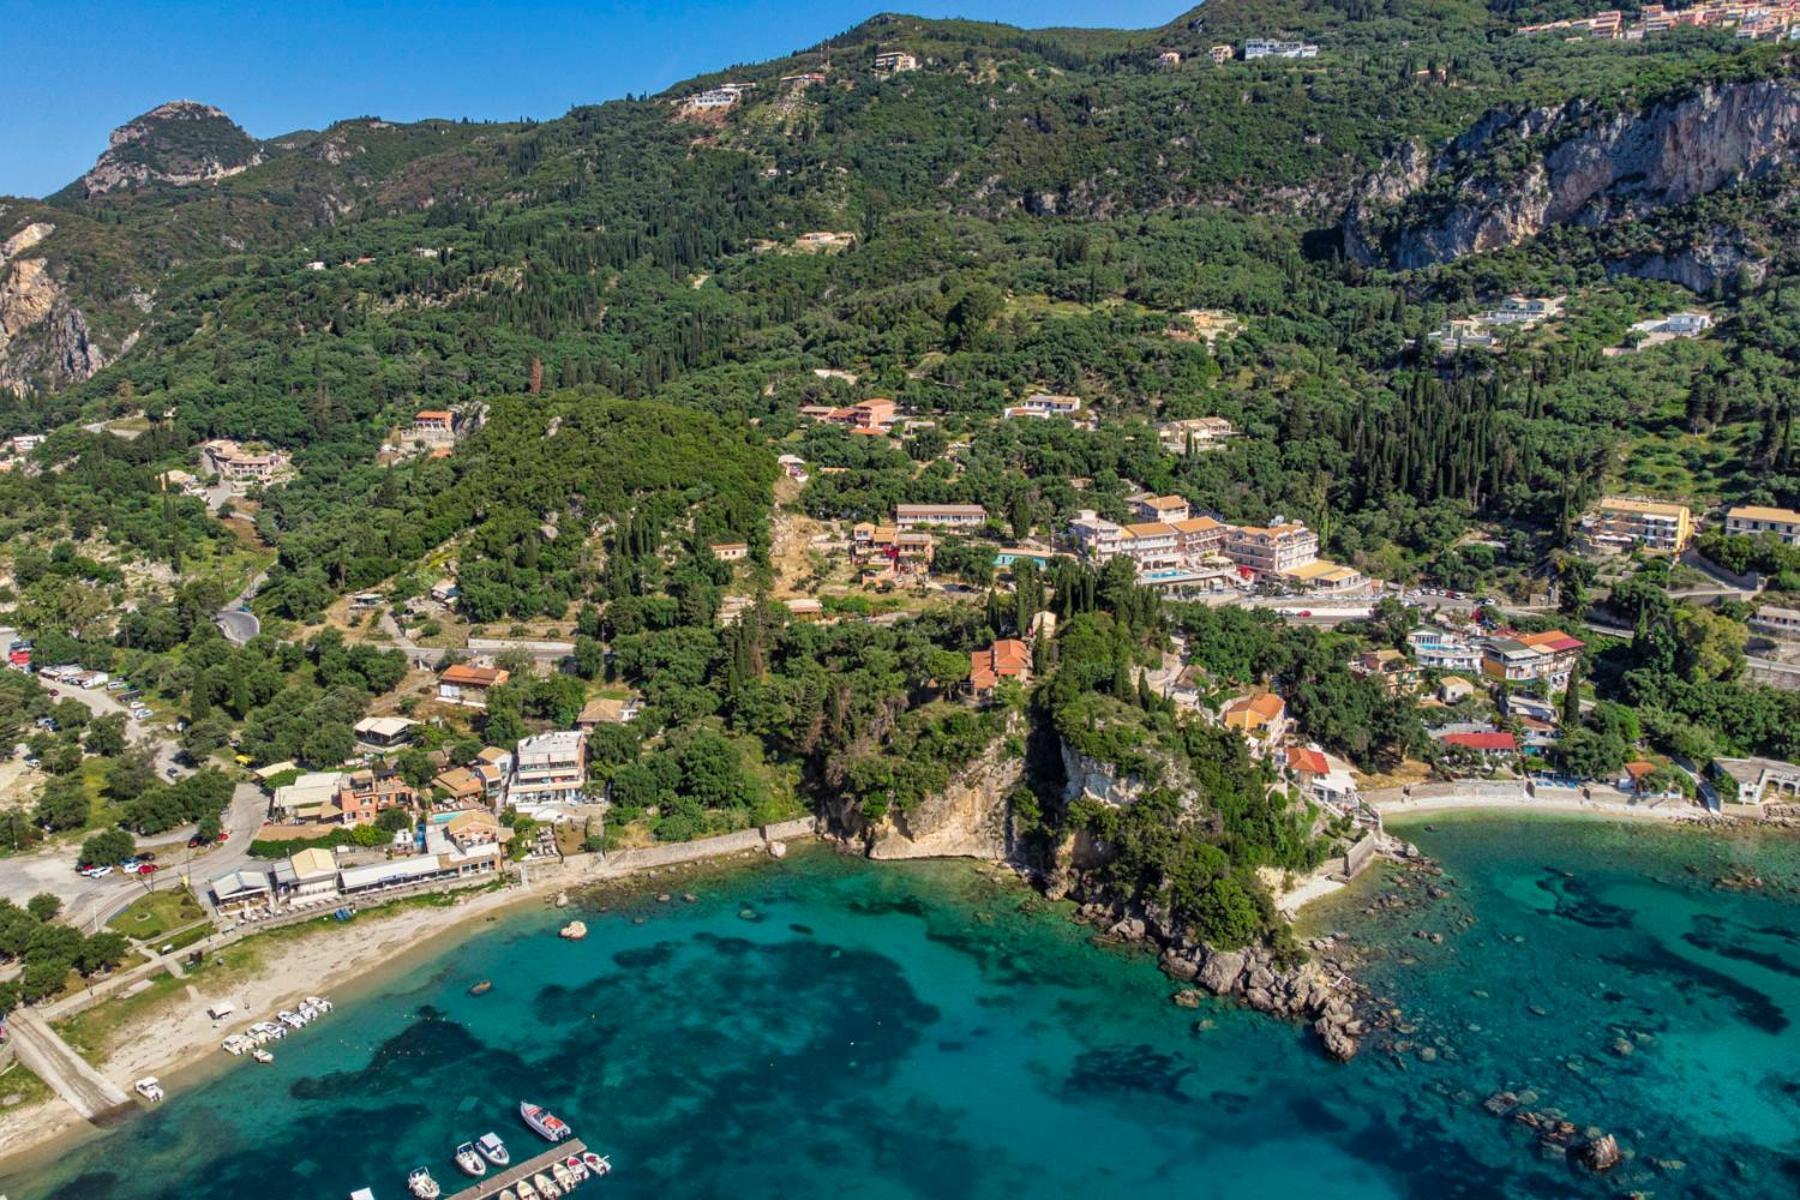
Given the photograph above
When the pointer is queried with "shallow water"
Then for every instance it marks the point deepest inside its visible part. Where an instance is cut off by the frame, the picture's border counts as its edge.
(826, 1027)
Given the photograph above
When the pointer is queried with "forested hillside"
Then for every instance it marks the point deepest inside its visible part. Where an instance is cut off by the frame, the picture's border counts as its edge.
(629, 312)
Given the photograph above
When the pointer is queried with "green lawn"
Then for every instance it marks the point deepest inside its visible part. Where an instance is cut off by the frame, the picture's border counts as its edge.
(18, 1081)
(159, 913)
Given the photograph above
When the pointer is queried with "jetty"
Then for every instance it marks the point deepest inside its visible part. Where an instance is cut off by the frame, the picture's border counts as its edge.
(492, 1184)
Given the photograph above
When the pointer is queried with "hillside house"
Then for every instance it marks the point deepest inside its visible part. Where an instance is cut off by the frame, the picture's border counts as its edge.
(1388, 667)
(1159, 508)
(240, 467)
(1221, 54)
(607, 710)
(895, 61)
(1754, 520)
(1256, 48)
(1441, 650)
(384, 733)
(1008, 658)
(468, 686)
(730, 551)
(888, 553)
(1168, 58)
(1761, 781)
(1494, 744)
(1773, 621)
(1323, 576)
(1043, 405)
(1259, 717)
(1320, 778)
(1194, 433)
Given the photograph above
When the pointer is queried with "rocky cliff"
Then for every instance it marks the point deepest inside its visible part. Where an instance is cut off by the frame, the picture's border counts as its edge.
(971, 818)
(1516, 173)
(179, 143)
(43, 336)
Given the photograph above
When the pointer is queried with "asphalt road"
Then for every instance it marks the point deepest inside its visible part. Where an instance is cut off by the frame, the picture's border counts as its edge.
(235, 620)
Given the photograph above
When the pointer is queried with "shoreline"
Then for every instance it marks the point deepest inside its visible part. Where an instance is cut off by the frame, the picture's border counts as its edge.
(1554, 805)
(178, 1043)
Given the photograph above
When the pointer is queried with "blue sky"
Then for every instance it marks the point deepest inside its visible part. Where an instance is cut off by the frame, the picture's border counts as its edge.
(75, 70)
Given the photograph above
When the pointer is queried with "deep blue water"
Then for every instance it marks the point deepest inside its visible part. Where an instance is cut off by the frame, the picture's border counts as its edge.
(826, 1027)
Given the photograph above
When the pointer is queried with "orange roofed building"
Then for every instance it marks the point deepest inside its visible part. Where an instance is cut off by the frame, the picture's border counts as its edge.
(1262, 718)
(469, 686)
(1008, 658)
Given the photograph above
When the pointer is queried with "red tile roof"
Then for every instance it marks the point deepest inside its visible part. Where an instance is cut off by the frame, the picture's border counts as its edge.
(1006, 658)
(1552, 640)
(1482, 741)
(1310, 761)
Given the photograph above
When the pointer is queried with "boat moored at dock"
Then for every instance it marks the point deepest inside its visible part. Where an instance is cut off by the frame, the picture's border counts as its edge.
(421, 1184)
(493, 1149)
(469, 1161)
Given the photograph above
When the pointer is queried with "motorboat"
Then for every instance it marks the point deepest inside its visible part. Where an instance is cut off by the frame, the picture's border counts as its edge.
(320, 1003)
(421, 1184)
(262, 1056)
(493, 1149)
(508, 1194)
(546, 1186)
(596, 1164)
(149, 1088)
(481, 987)
(565, 1178)
(525, 1190)
(292, 1020)
(545, 1123)
(469, 1161)
(576, 1168)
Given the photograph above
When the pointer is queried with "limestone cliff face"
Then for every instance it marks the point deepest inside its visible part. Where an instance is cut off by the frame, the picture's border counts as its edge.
(971, 818)
(179, 143)
(1581, 167)
(42, 335)
(1098, 780)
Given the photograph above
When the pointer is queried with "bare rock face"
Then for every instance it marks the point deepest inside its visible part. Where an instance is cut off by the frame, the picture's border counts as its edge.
(971, 818)
(179, 143)
(1597, 170)
(42, 335)
(1099, 780)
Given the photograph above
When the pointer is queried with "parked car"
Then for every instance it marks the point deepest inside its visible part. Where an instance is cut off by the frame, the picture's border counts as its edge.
(96, 872)
(171, 772)
(147, 869)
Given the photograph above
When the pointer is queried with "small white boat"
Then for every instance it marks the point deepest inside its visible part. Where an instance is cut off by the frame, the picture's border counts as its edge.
(262, 1056)
(469, 1161)
(508, 1194)
(576, 1168)
(149, 1088)
(234, 1045)
(546, 1186)
(525, 1190)
(546, 1124)
(320, 1003)
(493, 1149)
(292, 1020)
(597, 1164)
(421, 1184)
(565, 1178)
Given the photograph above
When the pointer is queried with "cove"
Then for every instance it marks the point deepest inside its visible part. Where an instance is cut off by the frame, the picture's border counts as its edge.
(828, 1027)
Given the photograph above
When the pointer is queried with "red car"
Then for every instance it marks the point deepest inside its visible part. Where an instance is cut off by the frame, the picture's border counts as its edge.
(147, 868)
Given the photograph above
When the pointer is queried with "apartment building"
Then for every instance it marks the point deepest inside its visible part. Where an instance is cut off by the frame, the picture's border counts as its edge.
(1623, 523)
(549, 768)
(891, 553)
(363, 795)
(949, 516)
(1199, 537)
(1271, 550)
(895, 61)
(1548, 656)
(1753, 520)
(232, 463)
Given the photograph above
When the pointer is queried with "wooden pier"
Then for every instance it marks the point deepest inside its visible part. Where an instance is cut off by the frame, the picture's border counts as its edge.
(491, 1185)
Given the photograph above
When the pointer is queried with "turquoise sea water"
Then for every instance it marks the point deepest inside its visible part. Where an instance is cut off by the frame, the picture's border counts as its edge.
(832, 1028)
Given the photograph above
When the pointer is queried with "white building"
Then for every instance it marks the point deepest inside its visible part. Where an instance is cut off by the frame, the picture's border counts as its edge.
(550, 768)
(895, 61)
(1256, 48)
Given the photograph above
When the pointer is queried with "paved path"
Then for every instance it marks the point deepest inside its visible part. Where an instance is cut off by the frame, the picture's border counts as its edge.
(84, 1089)
(235, 620)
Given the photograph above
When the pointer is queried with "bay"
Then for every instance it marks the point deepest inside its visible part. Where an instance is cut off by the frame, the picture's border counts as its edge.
(829, 1027)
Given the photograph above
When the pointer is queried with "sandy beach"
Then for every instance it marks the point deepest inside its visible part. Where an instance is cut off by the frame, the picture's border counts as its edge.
(179, 1043)
(1672, 811)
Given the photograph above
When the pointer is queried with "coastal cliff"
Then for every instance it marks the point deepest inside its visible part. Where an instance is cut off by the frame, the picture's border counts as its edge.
(970, 818)
(1516, 173)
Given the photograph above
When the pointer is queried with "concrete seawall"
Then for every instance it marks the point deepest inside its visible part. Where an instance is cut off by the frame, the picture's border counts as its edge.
(622, 862)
